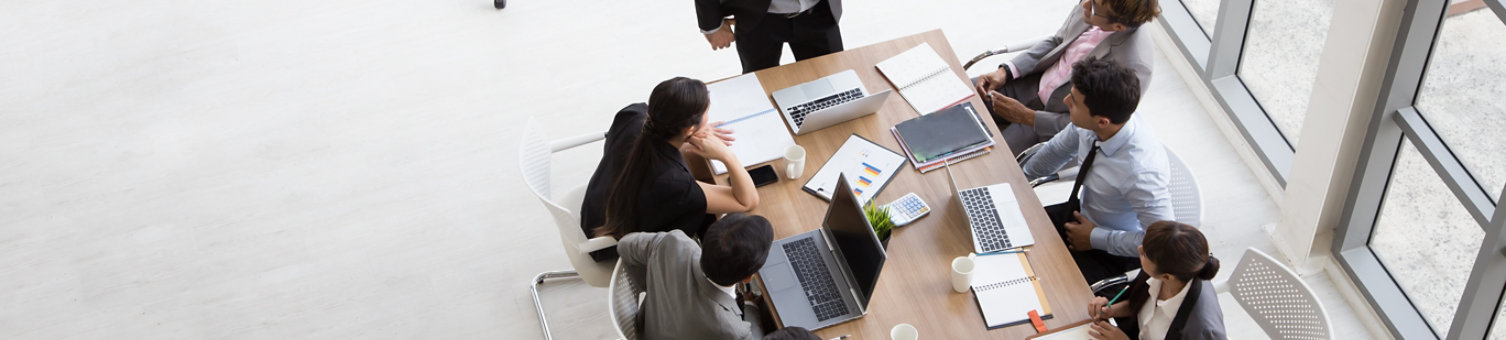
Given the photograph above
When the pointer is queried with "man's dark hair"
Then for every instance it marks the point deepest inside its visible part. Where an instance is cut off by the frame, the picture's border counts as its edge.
(1108, 88)
(735, 247)
(792, 333)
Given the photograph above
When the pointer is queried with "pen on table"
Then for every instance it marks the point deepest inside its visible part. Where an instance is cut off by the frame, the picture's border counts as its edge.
(1111, 301)
(844, 336)
(1001, 252)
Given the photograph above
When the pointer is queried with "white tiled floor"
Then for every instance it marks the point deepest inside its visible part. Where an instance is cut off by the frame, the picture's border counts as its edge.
(346, 169)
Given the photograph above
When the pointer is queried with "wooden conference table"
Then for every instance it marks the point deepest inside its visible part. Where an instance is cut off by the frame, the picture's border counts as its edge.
(915, 284)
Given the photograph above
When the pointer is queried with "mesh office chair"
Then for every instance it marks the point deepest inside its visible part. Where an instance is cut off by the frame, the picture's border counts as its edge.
(624, 296)
(1280, 302)
(534, 153)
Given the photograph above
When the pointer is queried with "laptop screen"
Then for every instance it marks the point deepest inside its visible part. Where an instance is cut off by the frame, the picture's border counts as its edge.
(859, 246)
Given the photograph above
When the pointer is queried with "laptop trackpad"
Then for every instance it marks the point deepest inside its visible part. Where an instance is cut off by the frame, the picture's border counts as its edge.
(818, 89)
(778, 277)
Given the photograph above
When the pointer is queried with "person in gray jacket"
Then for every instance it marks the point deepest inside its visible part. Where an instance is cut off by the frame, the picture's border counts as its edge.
(690, 289)
(1026, 93)
(1172, 297)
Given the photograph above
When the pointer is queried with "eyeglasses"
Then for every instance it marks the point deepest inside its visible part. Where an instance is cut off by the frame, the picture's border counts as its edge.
(1093, 11)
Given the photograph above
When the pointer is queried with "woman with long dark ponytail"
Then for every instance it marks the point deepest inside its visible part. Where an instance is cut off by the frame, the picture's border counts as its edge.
(1175, 268)
(650, 185)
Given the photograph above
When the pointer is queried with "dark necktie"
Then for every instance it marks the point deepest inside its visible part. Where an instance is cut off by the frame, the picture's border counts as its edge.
(1082, 174)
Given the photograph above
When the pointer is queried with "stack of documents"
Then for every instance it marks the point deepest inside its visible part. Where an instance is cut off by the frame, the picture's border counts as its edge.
(947, 136)
(741, 105)
(925, 80)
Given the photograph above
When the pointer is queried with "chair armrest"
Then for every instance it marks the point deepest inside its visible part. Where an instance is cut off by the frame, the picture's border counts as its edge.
(597, 243)
(571, 142)
(1015, 47)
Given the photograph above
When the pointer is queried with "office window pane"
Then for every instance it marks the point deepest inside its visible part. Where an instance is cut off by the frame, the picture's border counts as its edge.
(1425, 238)
(1462, 92)
(1280, 59)
(1205, 12)
(1498, 331)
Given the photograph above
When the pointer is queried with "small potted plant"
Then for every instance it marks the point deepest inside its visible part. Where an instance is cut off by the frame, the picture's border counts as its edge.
(879, 218)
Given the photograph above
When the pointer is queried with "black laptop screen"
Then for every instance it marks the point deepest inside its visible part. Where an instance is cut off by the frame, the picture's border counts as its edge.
(859, 246)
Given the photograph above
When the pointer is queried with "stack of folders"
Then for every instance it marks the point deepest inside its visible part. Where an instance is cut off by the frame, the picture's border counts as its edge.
(951, 135)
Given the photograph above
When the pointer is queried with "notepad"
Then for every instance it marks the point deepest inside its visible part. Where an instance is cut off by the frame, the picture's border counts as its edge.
(924, 79)
(1007, 290)
(742, 106)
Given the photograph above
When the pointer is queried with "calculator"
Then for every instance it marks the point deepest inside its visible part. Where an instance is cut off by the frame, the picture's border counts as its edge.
(907, 209)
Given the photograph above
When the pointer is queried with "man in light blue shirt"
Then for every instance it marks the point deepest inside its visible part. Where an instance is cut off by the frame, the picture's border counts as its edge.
(1124, 176)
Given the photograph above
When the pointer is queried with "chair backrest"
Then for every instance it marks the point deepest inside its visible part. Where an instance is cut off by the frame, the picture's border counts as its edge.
(623, 295)
(1278, 300)
(534, 153)
(1186, 197)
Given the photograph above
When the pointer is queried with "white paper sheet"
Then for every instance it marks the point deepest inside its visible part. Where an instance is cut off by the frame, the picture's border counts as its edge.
(744, 108)
(868, 167)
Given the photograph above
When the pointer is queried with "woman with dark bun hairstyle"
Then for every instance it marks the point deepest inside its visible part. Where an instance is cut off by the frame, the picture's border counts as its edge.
(1175, 269)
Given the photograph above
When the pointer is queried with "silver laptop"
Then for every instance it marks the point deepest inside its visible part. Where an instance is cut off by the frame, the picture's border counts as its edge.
(826, 276)
(994, 217)
(828, 101)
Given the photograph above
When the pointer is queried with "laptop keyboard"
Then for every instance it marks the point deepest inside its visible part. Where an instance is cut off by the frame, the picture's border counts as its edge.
(983, 217)
(819, 288)
(798, 112)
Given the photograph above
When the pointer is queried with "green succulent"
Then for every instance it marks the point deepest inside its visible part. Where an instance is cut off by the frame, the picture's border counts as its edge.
(879, 218)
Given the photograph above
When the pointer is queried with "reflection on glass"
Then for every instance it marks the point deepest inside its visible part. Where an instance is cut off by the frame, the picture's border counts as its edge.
(1280, 62)
(1205, 12)
(1462, 91)
(1426, 239)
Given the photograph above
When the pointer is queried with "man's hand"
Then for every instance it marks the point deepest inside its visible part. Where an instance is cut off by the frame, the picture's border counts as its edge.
(723, 37)
(1010, 109)
(991, 81)
(1080, 233)
(1102, 330)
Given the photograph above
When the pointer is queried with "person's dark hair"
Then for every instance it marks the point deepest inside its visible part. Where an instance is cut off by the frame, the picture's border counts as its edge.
(1180, 250)
(1132, 13)
(1108, 88)
(675, 105)
(792, 333)
(735, 247)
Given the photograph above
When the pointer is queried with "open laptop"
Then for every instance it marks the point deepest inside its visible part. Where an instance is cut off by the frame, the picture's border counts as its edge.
(828, 101)
(826, 276)
(993, 215)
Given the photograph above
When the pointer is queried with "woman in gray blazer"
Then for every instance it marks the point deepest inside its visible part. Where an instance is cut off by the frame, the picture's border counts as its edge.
(1175, 268)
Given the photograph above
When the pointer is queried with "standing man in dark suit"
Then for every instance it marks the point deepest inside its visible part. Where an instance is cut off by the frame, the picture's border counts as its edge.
(1026, 94)
(764, 26)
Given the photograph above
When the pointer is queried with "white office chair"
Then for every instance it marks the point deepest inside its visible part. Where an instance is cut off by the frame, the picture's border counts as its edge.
(1011, 48)
(624, 296)
(534, 153)
(1280, 302)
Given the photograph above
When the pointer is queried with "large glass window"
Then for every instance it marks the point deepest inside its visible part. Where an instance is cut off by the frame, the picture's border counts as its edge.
(1280, 62)
(1426, 239)
(1462, 94)
(1205, 12)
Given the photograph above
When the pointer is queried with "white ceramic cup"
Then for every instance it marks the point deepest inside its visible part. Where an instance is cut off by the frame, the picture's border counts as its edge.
(903, 331)
(962, 272)
(794, 161)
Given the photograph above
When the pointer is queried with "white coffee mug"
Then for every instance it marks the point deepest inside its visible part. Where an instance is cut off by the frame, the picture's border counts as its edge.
(904, 331)
(962, 272)
(794, 161)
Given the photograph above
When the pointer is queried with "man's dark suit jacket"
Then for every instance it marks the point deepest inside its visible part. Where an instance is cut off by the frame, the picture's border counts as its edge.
(709, 13)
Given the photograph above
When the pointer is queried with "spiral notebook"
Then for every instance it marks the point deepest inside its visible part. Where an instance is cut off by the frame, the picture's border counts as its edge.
(1007, 290)
(925, 80)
